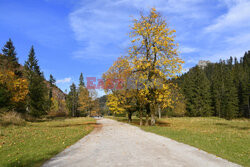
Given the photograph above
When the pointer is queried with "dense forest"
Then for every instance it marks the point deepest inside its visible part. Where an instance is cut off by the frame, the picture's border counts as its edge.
(25, 91)
(218, 89)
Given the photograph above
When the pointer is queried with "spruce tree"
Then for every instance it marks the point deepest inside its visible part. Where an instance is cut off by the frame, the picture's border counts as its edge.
(230, 97)
(72, 100)
(245, 84)
(52, 82)
(202, 98)
(229, 88)
(4, 96)
(187, 87)
(197, 93)
(81, 81)
(10, 53)
(217, 89)
(37, 96)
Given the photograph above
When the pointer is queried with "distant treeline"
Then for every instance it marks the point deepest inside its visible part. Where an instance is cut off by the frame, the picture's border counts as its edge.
(218, 89)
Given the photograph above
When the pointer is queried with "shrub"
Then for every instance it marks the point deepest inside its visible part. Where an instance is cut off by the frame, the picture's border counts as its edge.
(13, 118)
(29, 118)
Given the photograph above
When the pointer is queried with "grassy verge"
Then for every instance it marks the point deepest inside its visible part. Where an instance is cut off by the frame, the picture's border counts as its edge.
(226, 139)
(34, 143)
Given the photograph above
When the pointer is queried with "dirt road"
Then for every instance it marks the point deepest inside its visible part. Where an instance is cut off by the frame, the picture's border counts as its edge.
(119, 144)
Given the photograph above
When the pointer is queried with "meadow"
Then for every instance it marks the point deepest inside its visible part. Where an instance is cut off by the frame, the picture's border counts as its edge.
(35, 142)
(223, 138)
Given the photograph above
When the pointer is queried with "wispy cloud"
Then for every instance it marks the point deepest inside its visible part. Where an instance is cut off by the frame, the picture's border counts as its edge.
(236, 17)
(65, 80)
(101, 27)
(242, 38)
(204, 28)
(188, 49)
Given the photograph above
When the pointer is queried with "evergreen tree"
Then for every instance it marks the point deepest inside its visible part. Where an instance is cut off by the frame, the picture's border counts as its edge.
(81, 81)
(245, 86)
(230, 98)
(197, 93)
(229, 88)
(10, 53)
(217, 89)
(52, 82)
(4, 97)
(72, 100)
(37, 96)
(188, 87)
(202, 98)
(4, 93)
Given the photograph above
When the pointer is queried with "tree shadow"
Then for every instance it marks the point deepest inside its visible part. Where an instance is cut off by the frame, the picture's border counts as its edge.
(76, 124)
(137, 122)
(233, 126)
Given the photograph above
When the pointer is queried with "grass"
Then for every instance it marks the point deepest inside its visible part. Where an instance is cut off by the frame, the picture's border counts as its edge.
(227, 139)
(36, 142)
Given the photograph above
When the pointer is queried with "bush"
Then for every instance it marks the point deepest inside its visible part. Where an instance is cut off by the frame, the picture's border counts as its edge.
(30, 118)
(179, 109)
(12, 118)
(57, 114)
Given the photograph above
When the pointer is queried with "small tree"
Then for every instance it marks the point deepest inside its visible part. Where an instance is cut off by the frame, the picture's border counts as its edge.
(37, 96)
(10, 53)
(72, 100)
(52, 82)
(84, 101)
(81, 81)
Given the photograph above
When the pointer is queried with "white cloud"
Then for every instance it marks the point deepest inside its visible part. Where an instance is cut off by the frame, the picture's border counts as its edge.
(65, 80)
(188, 50)
(238, 16)
(103, 24)
(243, 38)
(101, 27)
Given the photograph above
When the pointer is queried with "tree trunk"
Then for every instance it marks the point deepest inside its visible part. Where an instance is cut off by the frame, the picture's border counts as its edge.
(129, 117)
(153, 115)
(152, 118)
(146, 123)
(140, 117)
(159, 112)
(147, 114)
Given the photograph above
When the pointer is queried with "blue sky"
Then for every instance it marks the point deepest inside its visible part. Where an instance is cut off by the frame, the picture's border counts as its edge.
(74, 36)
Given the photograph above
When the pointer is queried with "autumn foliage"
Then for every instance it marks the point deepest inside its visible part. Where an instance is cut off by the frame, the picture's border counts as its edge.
(23, 89)
(153, 59)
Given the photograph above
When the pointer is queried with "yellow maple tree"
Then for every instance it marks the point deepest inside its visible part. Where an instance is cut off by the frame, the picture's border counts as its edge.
(16, 86)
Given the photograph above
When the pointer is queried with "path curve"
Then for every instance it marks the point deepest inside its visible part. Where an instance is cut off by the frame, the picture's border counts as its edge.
(118, 144)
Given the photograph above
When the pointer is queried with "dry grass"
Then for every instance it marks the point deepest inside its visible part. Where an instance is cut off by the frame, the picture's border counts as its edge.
(12, 118)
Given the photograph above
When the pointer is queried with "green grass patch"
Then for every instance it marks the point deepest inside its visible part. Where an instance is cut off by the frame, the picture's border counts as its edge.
(227, 139)
(36, 142)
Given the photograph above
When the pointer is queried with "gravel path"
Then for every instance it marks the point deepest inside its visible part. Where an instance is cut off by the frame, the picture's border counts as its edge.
(117, 144)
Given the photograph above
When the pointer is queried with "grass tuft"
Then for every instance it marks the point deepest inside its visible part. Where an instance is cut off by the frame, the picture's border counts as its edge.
(12, 118)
